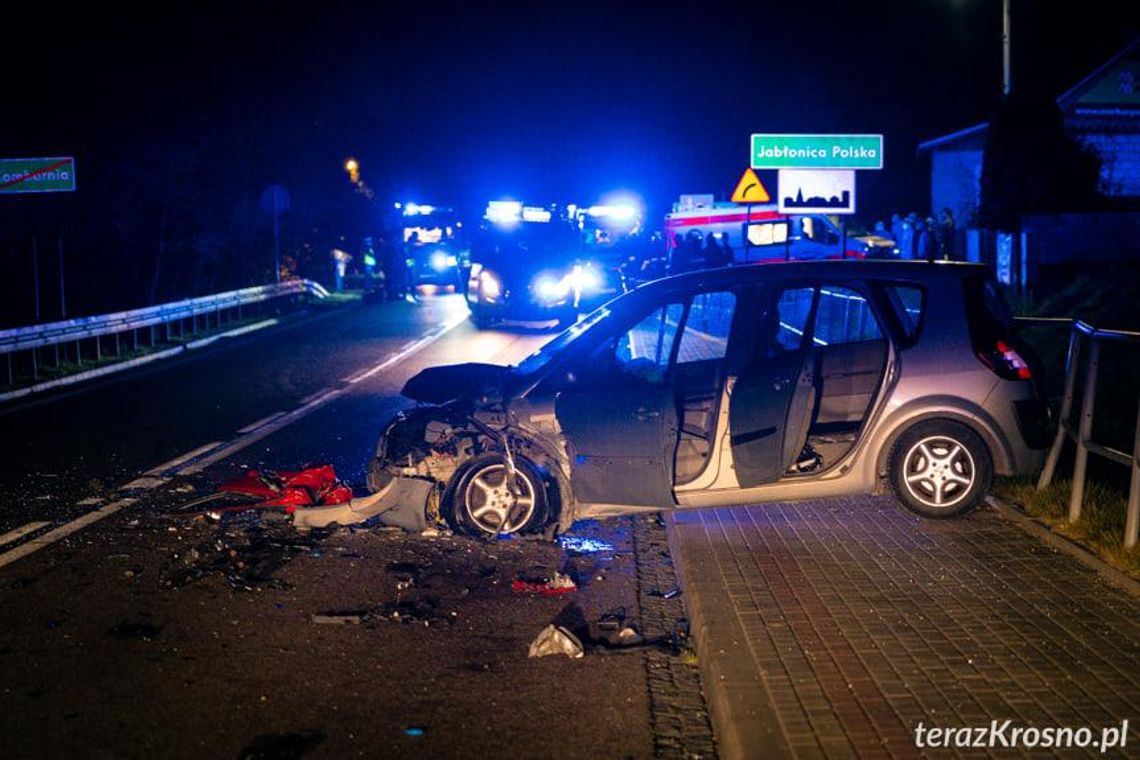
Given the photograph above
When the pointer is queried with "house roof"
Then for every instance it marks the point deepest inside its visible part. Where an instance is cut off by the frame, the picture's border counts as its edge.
(1069, 100)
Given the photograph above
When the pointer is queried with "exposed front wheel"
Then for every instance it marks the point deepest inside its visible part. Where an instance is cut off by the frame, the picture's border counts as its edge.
(940, 468)
(480, 500)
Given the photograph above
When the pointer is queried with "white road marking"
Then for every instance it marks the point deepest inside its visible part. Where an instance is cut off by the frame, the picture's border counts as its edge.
(145, 483)
(263, 421)
(90, 501)
(173, 463)
(314, 401)
(12, 535)
(194, 461)
(63, 531)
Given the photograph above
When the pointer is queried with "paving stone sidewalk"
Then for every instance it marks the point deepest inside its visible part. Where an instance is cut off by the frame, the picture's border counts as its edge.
(833, 629)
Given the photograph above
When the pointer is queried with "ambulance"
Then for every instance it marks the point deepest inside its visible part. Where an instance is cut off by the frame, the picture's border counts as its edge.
(759, 232)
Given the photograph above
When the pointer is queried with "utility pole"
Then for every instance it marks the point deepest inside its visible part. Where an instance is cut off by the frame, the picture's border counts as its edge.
(1007, 76)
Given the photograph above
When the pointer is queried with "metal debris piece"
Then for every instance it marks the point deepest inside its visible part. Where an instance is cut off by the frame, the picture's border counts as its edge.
(556, 640)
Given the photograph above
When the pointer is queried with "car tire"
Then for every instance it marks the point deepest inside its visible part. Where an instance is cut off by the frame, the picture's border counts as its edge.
(940, 468)
(481, 320)
(478, 503)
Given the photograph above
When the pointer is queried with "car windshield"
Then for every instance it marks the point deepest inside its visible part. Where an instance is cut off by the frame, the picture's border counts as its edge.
(559, 343)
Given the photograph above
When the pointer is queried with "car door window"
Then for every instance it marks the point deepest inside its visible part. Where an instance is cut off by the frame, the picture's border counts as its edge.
(844, 316)
(643, 351)
(793, 309)
(706, 330)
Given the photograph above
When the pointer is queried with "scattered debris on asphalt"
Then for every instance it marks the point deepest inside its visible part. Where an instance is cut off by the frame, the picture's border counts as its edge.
(612, 620)
(556, 640)
(559, 584)
(339, 618)
(246, 552)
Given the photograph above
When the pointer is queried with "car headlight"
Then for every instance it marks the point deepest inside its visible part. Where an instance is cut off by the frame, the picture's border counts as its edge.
(550, 289)
(489, 285)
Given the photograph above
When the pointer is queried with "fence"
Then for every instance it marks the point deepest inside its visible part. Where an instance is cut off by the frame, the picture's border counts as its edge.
(1082, 333)
(29, 341)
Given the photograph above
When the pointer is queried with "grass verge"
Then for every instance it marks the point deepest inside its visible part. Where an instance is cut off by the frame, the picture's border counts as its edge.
(1101, 527)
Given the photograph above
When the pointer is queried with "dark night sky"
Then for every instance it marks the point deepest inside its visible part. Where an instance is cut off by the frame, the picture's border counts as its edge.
(540, 101)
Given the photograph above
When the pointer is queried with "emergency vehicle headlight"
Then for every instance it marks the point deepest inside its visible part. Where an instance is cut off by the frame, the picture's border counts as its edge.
(584, 279)
(440, 261)
(550, 289)
(489, 285)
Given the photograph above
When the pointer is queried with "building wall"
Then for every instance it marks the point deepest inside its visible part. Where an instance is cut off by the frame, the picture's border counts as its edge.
(955, 181)
(1120, 175)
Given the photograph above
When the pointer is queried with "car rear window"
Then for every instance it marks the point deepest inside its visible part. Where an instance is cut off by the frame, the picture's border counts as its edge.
(987, 313)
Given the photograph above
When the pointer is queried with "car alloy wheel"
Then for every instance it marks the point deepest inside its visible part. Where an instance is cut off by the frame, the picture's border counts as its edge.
(483, 503)
(940, 468)
(939, 471)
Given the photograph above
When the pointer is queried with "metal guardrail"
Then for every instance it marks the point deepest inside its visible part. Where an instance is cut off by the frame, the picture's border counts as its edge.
(56, 334)
(1082, 332)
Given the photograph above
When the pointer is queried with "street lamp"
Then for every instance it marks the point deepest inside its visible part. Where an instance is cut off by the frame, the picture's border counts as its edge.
(353, 168)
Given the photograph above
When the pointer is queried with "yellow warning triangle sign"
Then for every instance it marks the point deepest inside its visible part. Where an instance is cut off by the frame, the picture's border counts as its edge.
(750, 189)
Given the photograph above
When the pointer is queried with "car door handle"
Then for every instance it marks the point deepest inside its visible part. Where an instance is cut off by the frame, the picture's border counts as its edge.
(645, 415)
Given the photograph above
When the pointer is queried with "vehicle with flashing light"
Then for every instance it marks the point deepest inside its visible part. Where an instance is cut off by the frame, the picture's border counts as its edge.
(611, 233)
(759, 232)
(742, 385)
(434, 246)
(527, 265)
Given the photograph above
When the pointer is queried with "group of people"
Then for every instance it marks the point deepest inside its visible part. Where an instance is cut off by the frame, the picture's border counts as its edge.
(919, 238)
(396, 281)
(689, 252)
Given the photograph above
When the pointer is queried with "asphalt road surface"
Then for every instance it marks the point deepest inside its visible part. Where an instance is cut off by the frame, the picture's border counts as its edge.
(147, 633)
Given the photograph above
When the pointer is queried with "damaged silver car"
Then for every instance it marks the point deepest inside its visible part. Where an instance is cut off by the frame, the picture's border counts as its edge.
(745, 385)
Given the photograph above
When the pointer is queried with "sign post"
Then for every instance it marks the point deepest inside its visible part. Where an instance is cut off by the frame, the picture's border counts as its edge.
(37, 175)
(275, 201)
(817, 191)
(749, 190)
(817, 172)
(817, 151)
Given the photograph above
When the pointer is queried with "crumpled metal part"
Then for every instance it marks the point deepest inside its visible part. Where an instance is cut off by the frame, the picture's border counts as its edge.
(556, 640)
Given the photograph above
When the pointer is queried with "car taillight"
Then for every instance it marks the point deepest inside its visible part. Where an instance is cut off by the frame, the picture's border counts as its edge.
(1005, 362)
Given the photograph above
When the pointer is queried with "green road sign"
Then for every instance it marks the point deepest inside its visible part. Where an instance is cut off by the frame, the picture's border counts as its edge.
(37, 175)
(817, 151)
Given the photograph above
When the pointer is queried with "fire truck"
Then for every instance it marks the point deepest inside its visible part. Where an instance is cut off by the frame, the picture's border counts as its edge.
(759, 232)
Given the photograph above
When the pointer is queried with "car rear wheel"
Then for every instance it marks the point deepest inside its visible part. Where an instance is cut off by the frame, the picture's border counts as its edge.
(480, 501)
(940, 468)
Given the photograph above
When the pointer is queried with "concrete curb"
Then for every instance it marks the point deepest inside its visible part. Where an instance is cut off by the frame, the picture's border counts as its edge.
(1077, 551)
(740, 707)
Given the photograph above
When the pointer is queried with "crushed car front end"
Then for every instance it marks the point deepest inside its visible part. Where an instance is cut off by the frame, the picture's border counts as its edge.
(491, 469)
